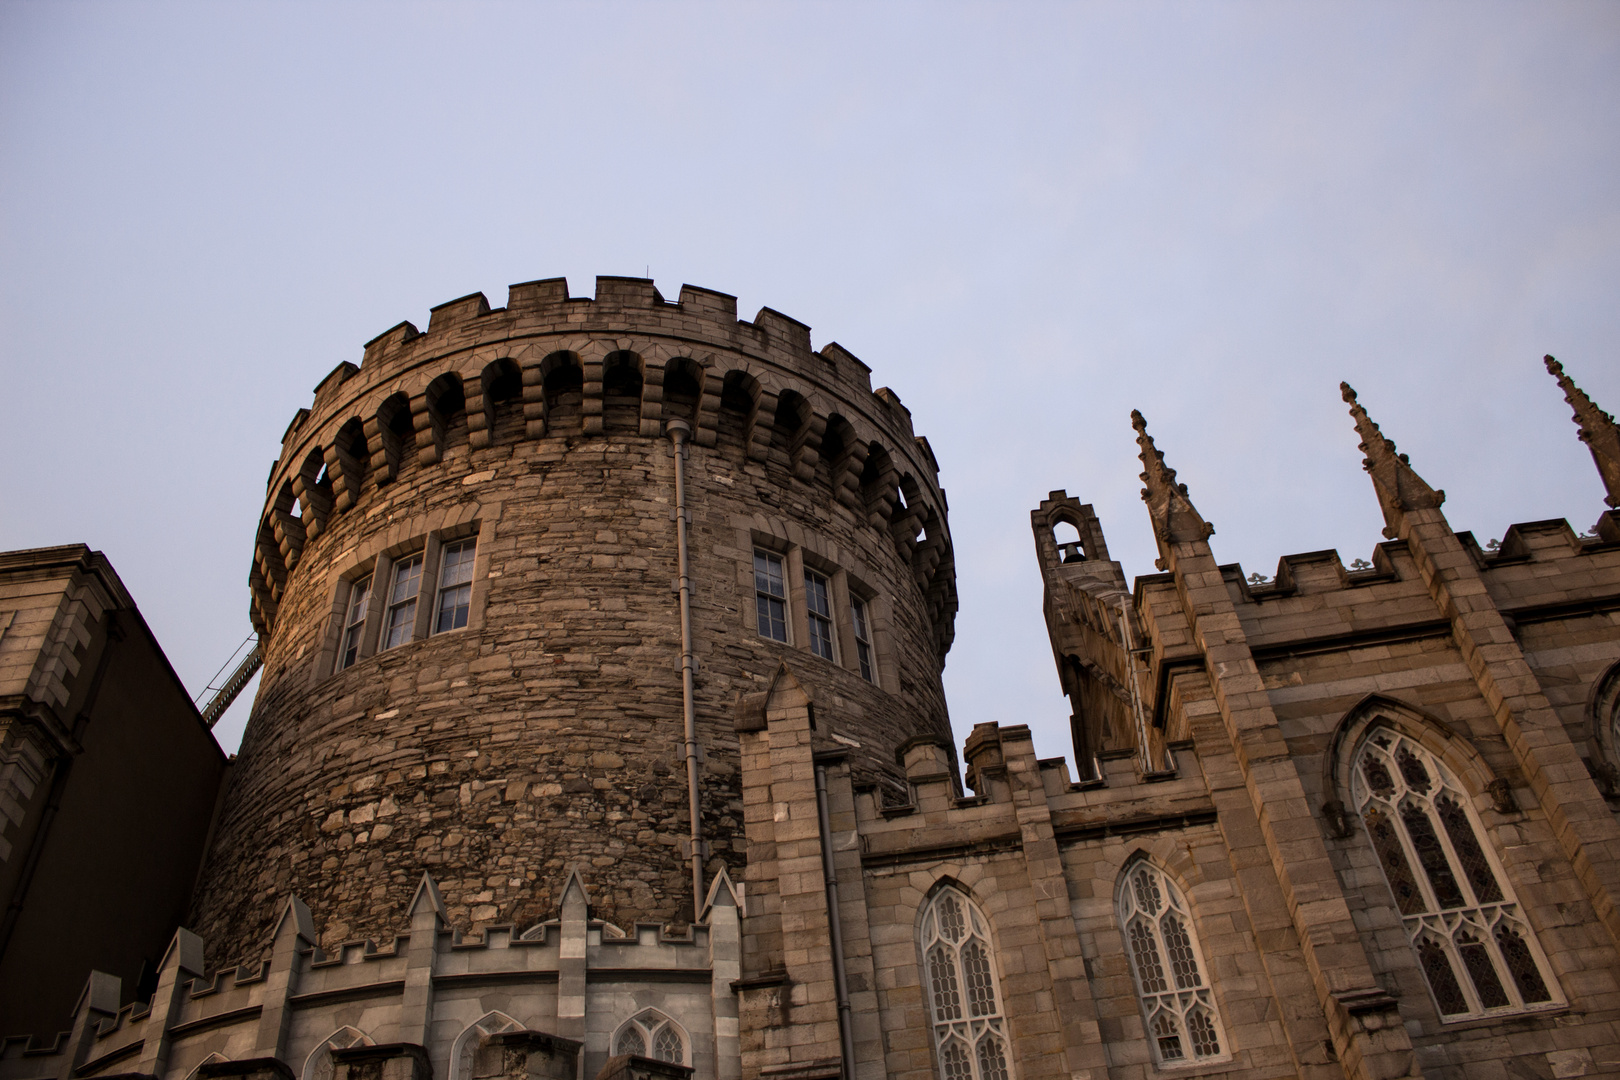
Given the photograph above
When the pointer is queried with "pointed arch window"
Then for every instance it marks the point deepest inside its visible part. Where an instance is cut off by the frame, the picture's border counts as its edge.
(318, 1065)
(1172, 981)
(1477, 953)
(651, 1034)
(465, 1048)
(963, 990)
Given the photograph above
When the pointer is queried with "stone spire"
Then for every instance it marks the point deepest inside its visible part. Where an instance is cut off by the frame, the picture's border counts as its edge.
(1598, 432)
(1399, 486)
(1175, 519)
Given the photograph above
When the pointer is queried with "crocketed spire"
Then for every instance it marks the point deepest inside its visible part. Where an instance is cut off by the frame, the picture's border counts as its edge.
(1175, 519)
(1399, 486)
(1598, 432)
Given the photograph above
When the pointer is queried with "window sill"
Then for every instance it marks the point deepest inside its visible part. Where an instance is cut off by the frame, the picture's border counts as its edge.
(1489, 1019)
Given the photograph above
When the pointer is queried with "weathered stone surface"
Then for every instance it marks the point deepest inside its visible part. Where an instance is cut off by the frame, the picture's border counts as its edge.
(547, 733)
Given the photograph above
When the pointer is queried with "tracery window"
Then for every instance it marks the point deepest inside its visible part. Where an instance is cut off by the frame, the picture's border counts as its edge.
(651, 1034)
(465, 1049)
(959, 969)
(1477, 953)
(319, 1065)
(1172, 984)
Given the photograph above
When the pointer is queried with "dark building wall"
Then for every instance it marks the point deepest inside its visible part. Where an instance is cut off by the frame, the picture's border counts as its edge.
(118, 820)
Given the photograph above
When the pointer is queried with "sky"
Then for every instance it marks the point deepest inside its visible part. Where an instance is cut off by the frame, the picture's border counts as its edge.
(1027, 218)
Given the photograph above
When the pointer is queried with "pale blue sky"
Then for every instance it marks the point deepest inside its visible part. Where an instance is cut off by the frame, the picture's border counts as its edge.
(1027, 218)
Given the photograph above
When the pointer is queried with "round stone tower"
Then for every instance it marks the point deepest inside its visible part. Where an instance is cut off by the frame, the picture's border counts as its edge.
(467, 584)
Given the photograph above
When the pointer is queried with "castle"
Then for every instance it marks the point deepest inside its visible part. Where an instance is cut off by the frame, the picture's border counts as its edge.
(601, 734)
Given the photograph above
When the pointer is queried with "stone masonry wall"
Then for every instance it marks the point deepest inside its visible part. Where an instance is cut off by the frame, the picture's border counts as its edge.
(547, 733)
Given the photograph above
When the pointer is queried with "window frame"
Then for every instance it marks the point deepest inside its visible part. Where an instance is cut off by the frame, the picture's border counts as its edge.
(765, 622)
(819, 623)
(447, 550)
(865, 654)
(956, 990)
(352, 632)
(1174, 1001)
(401, 613)
(1434, 928)
(648, 1025)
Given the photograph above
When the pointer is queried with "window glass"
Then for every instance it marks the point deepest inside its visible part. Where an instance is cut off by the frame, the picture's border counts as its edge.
(770, 595)
(651, 1034)
(958, 963)
(354, 624)
(817, 601)
(455, 586)
(402, 601)
(863, 638)
(1476, 952)
(1167, 963)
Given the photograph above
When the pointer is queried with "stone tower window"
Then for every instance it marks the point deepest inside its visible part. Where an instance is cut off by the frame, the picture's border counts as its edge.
(354, 623)
(770, 594)
(818, 602)
(863, 637)
(455, 586)
(964, 1002)
(401, 617)
(651, 1034)
(1178, 1005)
(1477, 953)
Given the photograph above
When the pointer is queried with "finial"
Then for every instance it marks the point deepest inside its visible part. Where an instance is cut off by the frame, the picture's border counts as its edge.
(1398, 485)
(1175, 519)
(1598, 432)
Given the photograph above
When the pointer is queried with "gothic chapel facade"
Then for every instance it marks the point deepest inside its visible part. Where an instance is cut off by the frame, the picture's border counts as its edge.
(601, 734)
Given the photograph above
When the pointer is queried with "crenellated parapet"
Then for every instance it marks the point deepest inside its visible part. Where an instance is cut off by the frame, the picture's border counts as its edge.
(548, 365)
(570, 986)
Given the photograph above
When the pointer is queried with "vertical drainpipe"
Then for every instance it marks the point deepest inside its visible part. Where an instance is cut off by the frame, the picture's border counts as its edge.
(678, 431)
(846, 1022)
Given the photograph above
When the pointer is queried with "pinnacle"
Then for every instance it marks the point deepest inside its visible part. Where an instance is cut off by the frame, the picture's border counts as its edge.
(1175, 519)
(1398, 485)
(1597, 431)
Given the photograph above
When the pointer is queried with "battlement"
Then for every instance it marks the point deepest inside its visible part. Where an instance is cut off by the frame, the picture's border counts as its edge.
(690, 968)
(619, 303)
(622, 364)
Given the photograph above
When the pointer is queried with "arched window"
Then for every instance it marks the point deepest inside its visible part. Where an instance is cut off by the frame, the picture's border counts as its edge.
(1477, 953)
(1066, 535)
(209, 1060)
(1172, 981)
(651, 1034)
(465, 1048)
(963, 990)
(318, 1065)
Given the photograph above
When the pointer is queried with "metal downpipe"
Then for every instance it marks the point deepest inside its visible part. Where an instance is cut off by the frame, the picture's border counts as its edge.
(678, 432)
(835, 926)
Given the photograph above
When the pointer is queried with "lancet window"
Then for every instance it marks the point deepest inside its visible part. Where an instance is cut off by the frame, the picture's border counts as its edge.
(1477, 953)
(964, 999)
(1172, 981)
